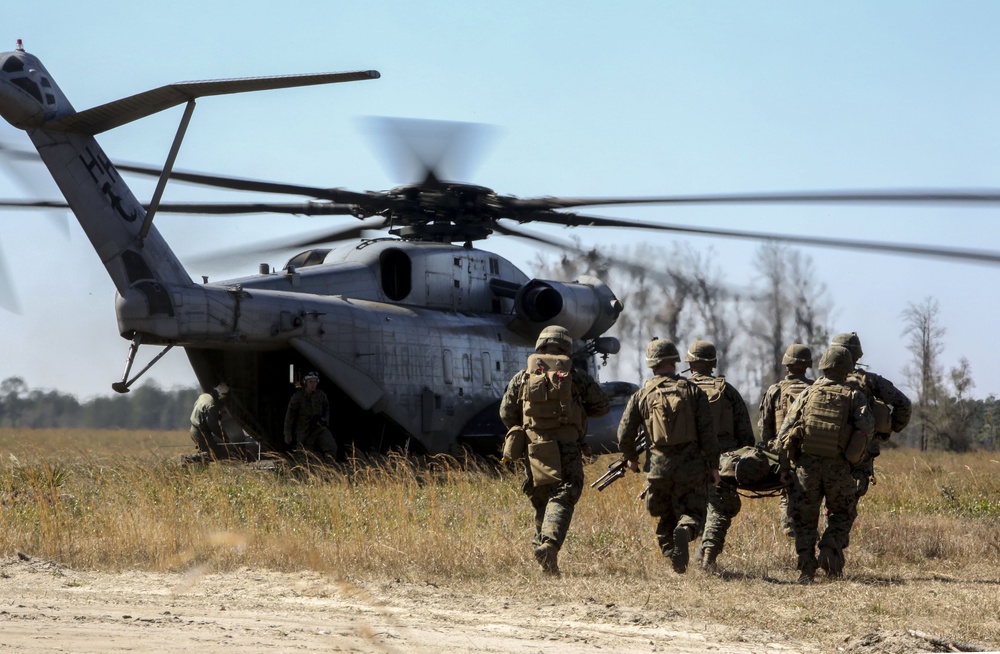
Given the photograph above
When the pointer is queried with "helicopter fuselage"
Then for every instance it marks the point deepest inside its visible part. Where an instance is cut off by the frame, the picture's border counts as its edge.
(415, 340)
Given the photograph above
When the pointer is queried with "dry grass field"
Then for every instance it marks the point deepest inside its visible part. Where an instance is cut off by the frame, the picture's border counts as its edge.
(923, 569)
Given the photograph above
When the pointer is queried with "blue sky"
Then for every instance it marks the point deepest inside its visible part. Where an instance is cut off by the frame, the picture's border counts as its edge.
(645, 98)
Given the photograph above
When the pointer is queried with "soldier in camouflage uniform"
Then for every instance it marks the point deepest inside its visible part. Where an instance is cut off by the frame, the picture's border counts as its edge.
(684, 452)
(890, 409)
(564, 423)
(733, 431)
(827, 425)
(206, 422)
(774, 407)
(883, 398)
(307, 420)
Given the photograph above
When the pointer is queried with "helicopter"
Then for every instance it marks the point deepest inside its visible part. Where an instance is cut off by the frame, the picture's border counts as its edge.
(415, 334)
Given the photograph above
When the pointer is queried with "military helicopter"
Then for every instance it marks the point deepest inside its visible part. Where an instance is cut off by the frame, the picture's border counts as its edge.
(414, 335)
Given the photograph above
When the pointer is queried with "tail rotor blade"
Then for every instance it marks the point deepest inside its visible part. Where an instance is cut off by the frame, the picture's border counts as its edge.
(8, 298)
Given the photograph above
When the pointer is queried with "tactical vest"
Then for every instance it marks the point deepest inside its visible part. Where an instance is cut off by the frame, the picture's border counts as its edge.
(788, 391)
(722, 412)
(825, 418)
(547, 394)
(881, 412)
(671, 418)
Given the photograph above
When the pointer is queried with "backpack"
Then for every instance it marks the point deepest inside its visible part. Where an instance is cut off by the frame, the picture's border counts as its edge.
(790, 391)
(671, 418)
(548, 392)
(721, 411)
(825, 419)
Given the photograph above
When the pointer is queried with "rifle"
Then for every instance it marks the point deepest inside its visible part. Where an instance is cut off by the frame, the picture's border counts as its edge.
(617, 469)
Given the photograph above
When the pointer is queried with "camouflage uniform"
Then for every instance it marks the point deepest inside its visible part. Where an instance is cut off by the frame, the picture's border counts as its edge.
(724, 500)
(818, 478)
(878, 391)
(677, 475)
(206, 425)
(554, 503)
(306, 423)
(769, 403)
(774, 398)
(876, 387)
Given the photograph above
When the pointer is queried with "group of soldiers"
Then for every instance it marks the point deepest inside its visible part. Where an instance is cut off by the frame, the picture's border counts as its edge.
(306, 426)
(824, 433)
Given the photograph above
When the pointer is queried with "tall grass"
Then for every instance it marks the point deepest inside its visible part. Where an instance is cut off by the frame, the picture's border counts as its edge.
(925, 552)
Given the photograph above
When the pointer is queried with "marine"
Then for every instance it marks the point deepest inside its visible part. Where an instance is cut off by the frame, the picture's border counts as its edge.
(733, 431)
(825, 433)
(206, 422)
(545, 408)
(890, 408)
(307, 420)
(774, 406)
(683, 457)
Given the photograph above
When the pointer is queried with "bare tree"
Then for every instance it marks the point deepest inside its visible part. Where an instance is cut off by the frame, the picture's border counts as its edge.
(789, 306)
(923, 374)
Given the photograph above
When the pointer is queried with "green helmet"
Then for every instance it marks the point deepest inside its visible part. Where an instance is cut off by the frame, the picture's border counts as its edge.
(797, 353)
(701, 351)
(851, 342)
(837, 359)
(555, 335)
(660, 350)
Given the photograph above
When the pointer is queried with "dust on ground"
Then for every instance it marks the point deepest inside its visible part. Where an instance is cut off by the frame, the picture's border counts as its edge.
(48, 607)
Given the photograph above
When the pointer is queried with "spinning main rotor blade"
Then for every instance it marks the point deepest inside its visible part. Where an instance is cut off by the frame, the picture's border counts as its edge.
(639, 270)
(217, 208)
(239, 184)
(962, 254)
(220, 258)
(891, 196)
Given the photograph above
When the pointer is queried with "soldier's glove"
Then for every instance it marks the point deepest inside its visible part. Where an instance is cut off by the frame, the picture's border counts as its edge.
(288, 439)
(587, 451)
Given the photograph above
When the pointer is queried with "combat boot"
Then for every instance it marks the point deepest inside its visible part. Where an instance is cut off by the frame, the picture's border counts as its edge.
(708, 556)
(679, 555)
(831, 562)
(807, 570)
(547, 556)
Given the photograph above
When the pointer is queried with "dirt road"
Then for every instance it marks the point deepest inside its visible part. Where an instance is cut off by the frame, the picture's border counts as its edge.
(45, 607)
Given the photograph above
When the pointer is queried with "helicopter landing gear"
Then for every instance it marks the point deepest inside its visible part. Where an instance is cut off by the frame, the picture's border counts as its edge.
(133, 348)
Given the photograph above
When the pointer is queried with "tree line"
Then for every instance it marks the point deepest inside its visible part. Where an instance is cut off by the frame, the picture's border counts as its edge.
(145, 407)
(682, 294)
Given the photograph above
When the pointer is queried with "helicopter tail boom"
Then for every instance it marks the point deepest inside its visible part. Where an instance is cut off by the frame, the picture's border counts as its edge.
(107, 210)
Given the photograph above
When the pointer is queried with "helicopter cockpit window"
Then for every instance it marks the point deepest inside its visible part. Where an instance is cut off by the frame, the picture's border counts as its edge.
(308, 258)
(396, 273)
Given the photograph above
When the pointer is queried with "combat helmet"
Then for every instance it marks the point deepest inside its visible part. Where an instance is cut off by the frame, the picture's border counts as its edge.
(797, 353)
(555, 335)
(851, 341)
(701, 351)
(660, 350)
(838, 360)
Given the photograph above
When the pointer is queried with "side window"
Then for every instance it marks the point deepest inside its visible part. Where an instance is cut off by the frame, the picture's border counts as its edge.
(449, 367)
(487, 370)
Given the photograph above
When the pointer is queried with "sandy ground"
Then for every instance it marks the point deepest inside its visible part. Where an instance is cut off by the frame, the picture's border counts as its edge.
(48, 608)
